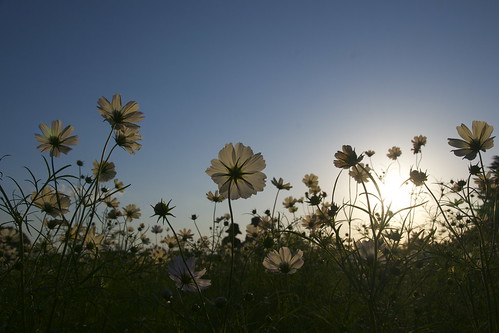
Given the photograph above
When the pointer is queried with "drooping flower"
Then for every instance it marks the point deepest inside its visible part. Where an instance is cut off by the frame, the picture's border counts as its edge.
(283, 262)
(417, 143)
(239, 170)
(185, 276)
(120, 117)
(104, 171)
(53, 204)
(55, 139)
(418, 177)
(347, 158)
(360, 173)
(215, 197)
(474, 141)
(127, 138)
(281, 185)
(131, 212)
(394, 153)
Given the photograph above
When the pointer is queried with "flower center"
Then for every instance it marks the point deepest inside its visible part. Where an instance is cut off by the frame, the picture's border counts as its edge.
(284, 267)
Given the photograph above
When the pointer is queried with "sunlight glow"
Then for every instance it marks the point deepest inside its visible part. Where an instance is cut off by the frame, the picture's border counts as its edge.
(396, 191)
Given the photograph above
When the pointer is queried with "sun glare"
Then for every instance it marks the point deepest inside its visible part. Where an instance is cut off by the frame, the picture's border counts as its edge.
(396, 191)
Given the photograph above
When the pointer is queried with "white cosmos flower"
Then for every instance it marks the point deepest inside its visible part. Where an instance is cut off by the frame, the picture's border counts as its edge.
(180, 272)
(239, 170)
(283, 262)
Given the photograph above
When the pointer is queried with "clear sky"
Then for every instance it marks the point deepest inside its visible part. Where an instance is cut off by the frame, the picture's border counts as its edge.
(295, 80)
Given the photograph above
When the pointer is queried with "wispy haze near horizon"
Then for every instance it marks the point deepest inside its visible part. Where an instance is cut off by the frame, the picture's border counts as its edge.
(294, 80)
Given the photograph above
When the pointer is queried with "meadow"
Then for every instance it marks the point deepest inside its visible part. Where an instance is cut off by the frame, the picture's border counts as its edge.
(73, 260)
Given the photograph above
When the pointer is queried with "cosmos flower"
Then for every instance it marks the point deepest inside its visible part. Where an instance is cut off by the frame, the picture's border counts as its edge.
(312, 222)
(120, 117)
(131, 212)
(185, 234)
(283, 262)
(369, 153)
(215, 197)
(111, 202)
(55, 139)
(253, 232)
(51, 203)
(474, 141)
(311, 180)
(417, 143)
(104, 171)
(162, 210)
(239, 170)
(280, 184)
(418, 177)
(346, 158)
(360, 173)
(127, 138)
(394, 153)
(180, 272)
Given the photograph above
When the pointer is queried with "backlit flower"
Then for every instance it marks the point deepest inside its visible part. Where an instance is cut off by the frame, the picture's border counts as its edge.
(185, 234)
(185, 276)
(120, 117)
(474, 141)
(55, 139)
(131, 212)
(311, 180)
(104, 171)
(239, 170)
(162, 210)
(394, 153)
(281, 185)
(360, 173)
(51, 203)
(215, 197)
(346, 158)
(417, 143)
(283, 262)
(369, 153)
(127, 139)
(418, 177)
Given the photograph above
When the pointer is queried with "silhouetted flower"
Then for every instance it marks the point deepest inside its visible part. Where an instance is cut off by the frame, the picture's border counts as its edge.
(474, 141)
(120, 117)
(162, 210)
(104, 171)
(183, 273)
(370, 153)
(283, 262)
(215, 197)
(360, 173)
(417, 143)
(239, 170)
(394, 153)
(280, 184)
(127, 139)
(55, 139)
(418, 177)
(131, 212)
(53, 204)
(346, 158)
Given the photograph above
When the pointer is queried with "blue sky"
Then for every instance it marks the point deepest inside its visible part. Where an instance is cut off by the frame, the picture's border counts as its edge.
(295, 80)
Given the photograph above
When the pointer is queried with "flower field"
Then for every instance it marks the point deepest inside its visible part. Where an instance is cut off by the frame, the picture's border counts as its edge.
(72, 260)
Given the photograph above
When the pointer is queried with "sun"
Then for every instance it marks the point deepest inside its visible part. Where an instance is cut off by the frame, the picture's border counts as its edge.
(396, 191)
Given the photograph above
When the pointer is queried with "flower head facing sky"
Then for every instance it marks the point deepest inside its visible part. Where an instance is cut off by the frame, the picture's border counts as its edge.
(360, 173)
(52, 203)
(346, 158)
(55, 139)
(479, 138)
(283, 262)
(120, 117)
(239, 170)
(281, 185)
(183, 273)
